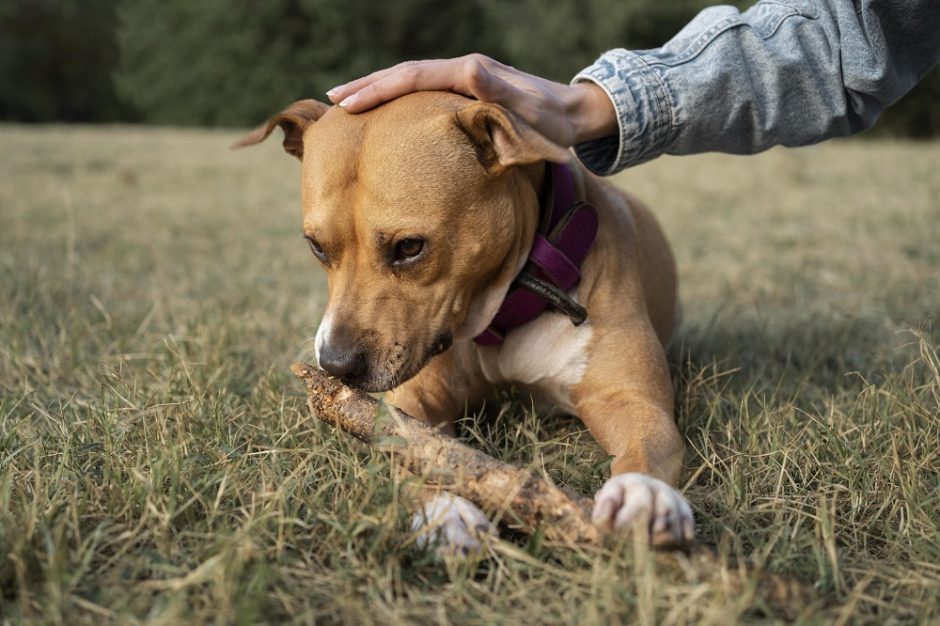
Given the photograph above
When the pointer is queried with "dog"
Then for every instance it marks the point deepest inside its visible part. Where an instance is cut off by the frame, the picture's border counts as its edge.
(452, 272)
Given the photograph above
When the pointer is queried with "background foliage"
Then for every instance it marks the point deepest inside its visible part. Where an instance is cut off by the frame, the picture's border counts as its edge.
(232, 62)
(56, 60)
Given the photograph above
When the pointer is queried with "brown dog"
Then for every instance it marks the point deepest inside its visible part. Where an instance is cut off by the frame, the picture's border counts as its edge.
(423, 212)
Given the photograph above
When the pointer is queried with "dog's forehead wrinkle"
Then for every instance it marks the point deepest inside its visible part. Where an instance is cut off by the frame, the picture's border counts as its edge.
(383, 219)
(327, 225)
(414, 184)
(328, 211)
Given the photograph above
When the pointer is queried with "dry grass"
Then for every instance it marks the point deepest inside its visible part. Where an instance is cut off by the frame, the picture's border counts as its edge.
(157, 464)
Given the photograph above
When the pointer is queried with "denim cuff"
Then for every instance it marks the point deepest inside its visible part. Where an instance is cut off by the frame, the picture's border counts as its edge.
(644, 113)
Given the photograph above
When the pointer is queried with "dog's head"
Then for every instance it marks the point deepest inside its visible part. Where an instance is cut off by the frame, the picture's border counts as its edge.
(422, 212)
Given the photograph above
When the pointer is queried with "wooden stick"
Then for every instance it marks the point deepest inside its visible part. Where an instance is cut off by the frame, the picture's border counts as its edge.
(532, 503)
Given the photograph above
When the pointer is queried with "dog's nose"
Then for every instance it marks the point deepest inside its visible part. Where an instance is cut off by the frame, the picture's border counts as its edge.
(349, 365)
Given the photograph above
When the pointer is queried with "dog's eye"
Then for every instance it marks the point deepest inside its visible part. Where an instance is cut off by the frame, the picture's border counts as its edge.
(316, 249)
(407, 249)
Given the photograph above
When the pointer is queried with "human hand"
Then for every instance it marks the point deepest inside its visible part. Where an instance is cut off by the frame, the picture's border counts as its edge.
(565, 114)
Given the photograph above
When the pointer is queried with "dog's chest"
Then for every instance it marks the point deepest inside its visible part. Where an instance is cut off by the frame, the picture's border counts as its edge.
(548, 356)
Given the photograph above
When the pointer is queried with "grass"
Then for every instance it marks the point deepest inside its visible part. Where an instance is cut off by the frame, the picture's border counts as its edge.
(157, 464)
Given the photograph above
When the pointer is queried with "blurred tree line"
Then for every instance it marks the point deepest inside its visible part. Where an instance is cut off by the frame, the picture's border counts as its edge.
(233, 62)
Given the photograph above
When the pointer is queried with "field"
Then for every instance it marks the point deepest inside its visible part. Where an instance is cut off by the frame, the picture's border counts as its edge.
(157, 464)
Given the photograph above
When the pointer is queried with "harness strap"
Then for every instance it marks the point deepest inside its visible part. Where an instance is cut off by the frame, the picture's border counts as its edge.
(565, 236)
(557, 268)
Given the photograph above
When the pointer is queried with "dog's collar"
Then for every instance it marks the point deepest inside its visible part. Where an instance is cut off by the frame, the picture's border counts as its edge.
(566, 233)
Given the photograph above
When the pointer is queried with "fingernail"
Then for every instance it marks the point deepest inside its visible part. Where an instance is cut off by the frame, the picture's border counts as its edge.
(350, 100)
(332, 92)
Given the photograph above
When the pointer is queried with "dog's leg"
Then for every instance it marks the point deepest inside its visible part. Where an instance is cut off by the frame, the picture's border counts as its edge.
(436, 396)
(626, 400)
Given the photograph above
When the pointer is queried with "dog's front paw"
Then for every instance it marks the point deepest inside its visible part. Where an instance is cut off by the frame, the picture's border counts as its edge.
(647, 505)
(453, 525)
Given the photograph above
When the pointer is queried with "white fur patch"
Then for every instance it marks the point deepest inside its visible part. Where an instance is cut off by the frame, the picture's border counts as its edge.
(452, 524)
(646, 504)
(549, 355)
(323, 334)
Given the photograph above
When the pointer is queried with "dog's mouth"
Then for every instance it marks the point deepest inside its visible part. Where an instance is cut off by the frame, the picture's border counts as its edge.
(396, 368)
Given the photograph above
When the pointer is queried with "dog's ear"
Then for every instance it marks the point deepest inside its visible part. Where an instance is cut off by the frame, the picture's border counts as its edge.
(293, 120)
(502, 139)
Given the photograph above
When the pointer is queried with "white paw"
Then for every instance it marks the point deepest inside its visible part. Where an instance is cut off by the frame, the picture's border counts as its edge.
(452, 524)
(647, 505)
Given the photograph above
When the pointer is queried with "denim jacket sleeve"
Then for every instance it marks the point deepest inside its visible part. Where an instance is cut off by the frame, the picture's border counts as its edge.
(784, 72)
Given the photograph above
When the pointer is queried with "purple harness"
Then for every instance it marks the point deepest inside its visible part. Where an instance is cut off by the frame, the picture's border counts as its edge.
(565, 235)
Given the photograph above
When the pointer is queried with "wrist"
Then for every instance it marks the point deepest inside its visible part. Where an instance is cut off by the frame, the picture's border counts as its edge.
(591, 113)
